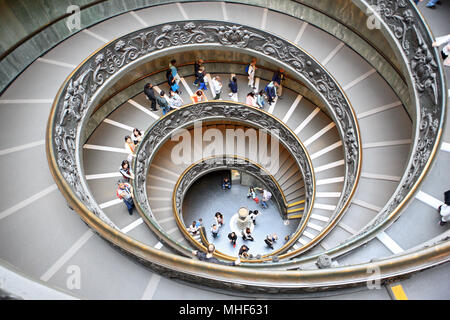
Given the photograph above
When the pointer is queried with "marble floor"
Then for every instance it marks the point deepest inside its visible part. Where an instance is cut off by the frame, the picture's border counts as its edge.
(206, 197)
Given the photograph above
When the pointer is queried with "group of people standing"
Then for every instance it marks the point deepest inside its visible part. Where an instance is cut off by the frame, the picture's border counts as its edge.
(124, 189)
(173, 100)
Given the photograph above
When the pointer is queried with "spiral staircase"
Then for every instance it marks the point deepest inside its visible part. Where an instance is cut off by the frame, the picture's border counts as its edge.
(363, 150)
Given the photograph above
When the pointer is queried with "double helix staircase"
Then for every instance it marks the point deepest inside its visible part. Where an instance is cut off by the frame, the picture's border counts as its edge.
(34, 216)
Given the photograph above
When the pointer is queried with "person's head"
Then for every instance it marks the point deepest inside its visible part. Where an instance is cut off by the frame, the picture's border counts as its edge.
(200, 61)
(211, 248)
(200, 220)
(281, 70)
(136, 132)
(194, 223)
(199, 93)
(127, 139)
(233, 234)
(201, 69)
(253, 61)
(162, 93)
(217, 78)
(149, 85)
(261, 92)
(214, 226)
(125, 164)
(171, 93)
(255, 211)
(217, 214)
(234, 79)
(247, 230)
(121, 184)
(173, 62)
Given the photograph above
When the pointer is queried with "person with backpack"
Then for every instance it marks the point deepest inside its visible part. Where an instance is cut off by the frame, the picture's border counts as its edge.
(125, 192)
(247, 234)
(171, 81)
(201, 78)
(271, 91)
(163, 103)
(278, 77)
(250, 71)
(150, 94)
(197, 65)
(234, 88)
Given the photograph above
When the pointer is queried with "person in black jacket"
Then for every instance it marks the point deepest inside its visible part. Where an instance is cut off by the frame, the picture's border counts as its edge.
(150, 93)
(208, 256)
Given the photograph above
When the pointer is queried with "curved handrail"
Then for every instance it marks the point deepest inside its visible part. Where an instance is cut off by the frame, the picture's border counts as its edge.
(214, 163)
(81, 90)
(186, 116)
(430, 136)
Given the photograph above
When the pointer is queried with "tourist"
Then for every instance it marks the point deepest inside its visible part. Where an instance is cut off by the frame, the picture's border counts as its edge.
(270, 239)
(271, 91)
(234, 88)
(126, 171)
(233, 238)
(174, 86)
(252, 215)
(445, 51)
(150, 94)
(125, 192)
(251, 99)
(136, 136)
(278, 77)
(175, 101)
(198, 63)
(201, 74)
(199, 223)
(266, 195)
(130, 147)
(199, 96)
(250, 70)
(173, 68)
(243, 251)
(260, 99)
(215, 230)
(226, 183)
(251, 192)
(219, 219)
(162, 102)
(444, 210)
(193, 228)
(216, 87)
(209, 256)
(247, 234)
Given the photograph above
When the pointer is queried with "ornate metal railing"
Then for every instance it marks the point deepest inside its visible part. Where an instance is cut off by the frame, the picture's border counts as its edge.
(207, 165)
(186, 117)
(401, 23)
(78, 95)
